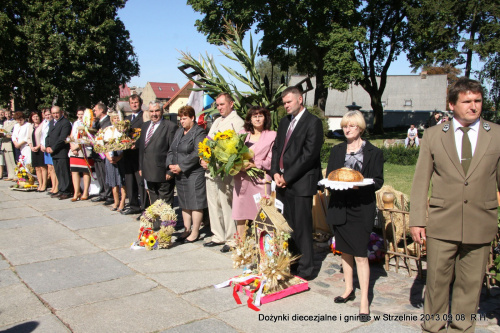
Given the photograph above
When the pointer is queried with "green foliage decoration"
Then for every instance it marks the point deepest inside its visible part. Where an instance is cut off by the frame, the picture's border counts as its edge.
(214, 83)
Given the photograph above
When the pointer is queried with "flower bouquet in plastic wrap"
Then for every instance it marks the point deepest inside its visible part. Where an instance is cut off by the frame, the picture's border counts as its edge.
(226, 154)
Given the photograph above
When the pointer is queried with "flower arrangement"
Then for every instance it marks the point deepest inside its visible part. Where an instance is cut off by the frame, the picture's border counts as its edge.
(117, 137)
(332, 246)
(375, 248)
(24, 174)
(227, 154)
(162, 239)
(276, 266)
(245, 251)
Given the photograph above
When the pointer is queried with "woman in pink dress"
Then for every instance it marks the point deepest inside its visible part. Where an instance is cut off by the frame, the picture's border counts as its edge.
(260, 140)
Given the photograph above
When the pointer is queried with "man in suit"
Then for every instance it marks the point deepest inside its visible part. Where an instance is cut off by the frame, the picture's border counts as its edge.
(58, 148)
(296, 169)
(461, 159)
(220, 191)
(133, 180)
(102, 121)
(156, 137)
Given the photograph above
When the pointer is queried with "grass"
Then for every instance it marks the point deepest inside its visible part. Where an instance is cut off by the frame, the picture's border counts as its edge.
(399, 176)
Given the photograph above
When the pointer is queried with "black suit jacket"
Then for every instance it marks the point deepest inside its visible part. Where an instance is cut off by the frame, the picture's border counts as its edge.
(363, 198)
(301, 160)
(131, 156)
(152, 159)
(56, 138)
(97, 126)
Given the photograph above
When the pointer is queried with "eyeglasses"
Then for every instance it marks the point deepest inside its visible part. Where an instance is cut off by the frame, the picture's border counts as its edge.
(350, 126)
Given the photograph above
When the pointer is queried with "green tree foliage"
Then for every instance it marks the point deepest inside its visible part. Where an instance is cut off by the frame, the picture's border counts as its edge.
(73, 52)
(317, 36)
(491, 75)
(337, 41)
(273, 73)
(385, 38)
(451, 31)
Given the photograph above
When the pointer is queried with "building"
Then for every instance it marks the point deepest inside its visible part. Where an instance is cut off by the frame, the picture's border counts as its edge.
(407, 99)
(159, 92)
(179, 99)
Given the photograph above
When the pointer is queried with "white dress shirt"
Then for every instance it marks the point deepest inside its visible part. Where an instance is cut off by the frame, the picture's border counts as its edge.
(473, 133)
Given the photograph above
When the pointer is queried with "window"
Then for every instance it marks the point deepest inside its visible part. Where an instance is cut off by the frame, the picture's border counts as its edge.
(408, 102)
(384, 103)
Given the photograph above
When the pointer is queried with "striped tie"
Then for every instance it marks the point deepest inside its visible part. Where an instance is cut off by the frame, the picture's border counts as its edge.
(150, 134)
(288, 135)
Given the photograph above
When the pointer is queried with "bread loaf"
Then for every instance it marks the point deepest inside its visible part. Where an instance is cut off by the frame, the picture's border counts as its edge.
(345, 175)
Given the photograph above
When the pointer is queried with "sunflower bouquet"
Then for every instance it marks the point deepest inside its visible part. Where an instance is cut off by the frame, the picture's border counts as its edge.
(227, 154)
(25, 176)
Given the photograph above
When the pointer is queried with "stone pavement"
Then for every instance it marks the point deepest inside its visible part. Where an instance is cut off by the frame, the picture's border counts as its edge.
(67, 267)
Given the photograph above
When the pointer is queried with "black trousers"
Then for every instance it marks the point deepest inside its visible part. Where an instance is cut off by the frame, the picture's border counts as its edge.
(163, 191)
(135, 189)
(63, 173)
(100, 171)
(298, 214)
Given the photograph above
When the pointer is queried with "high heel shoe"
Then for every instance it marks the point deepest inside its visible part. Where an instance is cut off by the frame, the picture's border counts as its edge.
(76, 199)
(84, 198)
(340, 299)
(364, 317)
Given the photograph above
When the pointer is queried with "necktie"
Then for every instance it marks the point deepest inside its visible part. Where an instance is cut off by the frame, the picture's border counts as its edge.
(288, 135)
(133, 117)
(149, 135)
(466, 149)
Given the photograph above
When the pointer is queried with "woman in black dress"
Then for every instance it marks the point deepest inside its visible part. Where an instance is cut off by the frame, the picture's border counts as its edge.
(351, 213)
(35, 143)
(183, 161)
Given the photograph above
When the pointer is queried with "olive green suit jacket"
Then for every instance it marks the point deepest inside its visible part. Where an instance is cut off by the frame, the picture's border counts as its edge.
(462, 207)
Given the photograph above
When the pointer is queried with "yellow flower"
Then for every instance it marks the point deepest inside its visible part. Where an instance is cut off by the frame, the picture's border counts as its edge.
(262, 216)
(204, 150)
(285, 245)
(151, 240)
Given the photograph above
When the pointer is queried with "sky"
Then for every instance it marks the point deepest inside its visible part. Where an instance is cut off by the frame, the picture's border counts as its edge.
(160, 28)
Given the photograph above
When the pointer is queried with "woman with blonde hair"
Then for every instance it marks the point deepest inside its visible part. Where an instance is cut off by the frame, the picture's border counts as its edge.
(351, 213)
(115, 169)
(81, 164)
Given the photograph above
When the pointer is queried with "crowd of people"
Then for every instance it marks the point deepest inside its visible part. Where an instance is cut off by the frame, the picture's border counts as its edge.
(460, 157)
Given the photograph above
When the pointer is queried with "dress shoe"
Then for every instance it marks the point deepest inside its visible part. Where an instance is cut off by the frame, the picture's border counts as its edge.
(212, 244)
(186, 241)
(64, 196)
(55, 195)
(340, 299)
(98, 199)
(364, 317)
(226, 248)
(109, 202)
(50, 193)
(113, 209)
(84, 198)
(130, 211)
(138, 218)
(76, 199)
(183, 236)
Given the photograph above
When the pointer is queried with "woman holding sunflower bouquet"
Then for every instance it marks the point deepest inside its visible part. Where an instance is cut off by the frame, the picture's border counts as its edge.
(260, 141)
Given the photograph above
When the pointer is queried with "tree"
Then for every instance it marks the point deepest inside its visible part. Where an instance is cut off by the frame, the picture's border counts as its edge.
(490, 74)
(275, 76)
(68, 51)
(451, 31)
(451, 72)
(386, 37)
(320, 35)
